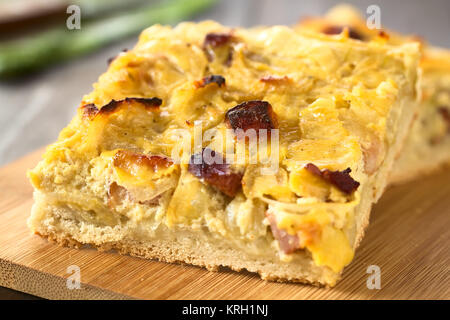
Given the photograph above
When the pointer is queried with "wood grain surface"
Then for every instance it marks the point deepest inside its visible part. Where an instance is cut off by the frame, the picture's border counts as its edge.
(408, 239)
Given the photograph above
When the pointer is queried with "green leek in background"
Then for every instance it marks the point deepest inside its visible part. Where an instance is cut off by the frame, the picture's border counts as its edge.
(58, 44)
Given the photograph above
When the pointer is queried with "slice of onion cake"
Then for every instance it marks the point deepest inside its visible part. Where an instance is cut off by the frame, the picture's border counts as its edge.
(257, 149)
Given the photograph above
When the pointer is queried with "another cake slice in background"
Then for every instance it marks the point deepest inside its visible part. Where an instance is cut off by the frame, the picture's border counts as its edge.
(427, 147)
(336, 111)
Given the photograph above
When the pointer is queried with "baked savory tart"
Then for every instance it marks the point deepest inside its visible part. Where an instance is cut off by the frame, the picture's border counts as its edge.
(427, 147)
(334, 112)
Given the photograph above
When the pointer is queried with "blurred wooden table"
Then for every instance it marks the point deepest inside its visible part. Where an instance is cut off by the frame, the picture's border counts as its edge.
(33, 110)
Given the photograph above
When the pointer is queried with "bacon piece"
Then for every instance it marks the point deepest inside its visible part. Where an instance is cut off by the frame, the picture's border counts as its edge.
(217, 39)
(306, 234)
(252, 115)
(89, 110)
(218, 175)
(116, 195)
(217, 79)
(126, 158)
(340, 179)
(383, 34)
(288, 243)
(229, 59)
(352, 33)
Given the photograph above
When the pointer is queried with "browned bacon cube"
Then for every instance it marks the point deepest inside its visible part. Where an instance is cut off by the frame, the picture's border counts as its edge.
(218, 175)
(352, 33)
(217, 39)
(340, 179)
(253, 114)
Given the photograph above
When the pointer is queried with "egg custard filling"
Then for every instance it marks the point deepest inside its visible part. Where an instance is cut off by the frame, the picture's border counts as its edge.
(427, 146)
(158, 161)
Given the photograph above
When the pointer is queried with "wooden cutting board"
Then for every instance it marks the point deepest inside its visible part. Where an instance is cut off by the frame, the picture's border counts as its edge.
(408, 239)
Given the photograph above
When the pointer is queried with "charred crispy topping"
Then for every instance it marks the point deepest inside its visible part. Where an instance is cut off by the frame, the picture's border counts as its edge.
(114, 104)
(275, 80)
(352, 33)
(340, 179)
(125, 158)
(217, 79)
(383, 34)
(252, 115)
(218, 175)
(90, 110)
(288, 243)
(445, 113)
(116, 195)
(217, 39)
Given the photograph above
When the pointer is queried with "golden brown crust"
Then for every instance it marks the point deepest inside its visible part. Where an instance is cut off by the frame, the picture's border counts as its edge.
(135, 249)
(61, 225)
